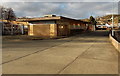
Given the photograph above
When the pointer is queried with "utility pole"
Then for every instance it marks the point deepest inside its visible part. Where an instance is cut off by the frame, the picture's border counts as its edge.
(112, 25)
(113, 19)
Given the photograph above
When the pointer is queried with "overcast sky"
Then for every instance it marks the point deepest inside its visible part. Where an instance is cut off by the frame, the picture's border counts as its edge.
(77, 10)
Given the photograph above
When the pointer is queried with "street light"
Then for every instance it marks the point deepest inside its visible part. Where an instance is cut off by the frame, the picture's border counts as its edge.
(113, 19)
(112, 25)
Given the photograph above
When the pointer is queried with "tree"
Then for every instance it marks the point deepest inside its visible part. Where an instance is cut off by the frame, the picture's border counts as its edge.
(93, 21)
(118, 19)
(7, 14)
(11, 15)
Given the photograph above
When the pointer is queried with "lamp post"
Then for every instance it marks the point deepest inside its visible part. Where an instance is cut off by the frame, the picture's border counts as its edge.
(112, 25)
(113, 19)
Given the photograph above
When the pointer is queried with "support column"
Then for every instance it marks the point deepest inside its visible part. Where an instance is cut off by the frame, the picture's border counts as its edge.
(53, 30)
(30, 31)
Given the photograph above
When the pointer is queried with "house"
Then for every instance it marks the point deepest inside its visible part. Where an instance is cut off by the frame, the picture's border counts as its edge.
(54, 26)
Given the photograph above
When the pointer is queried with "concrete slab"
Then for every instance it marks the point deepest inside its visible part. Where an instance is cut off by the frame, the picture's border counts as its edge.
(91, 66)
(49, 61)
(90, 53)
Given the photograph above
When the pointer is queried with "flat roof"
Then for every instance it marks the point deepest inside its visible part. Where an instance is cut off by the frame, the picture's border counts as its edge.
(48, 18)
(40, 18)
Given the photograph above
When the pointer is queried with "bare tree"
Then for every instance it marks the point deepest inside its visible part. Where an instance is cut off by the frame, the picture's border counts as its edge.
(9, 15)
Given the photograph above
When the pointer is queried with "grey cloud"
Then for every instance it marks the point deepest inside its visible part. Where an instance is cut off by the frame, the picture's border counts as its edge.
(69, 9)
(86, 9)
(61, 0)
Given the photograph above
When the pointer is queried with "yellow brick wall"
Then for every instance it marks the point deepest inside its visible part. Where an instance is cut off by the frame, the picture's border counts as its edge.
(53, 30)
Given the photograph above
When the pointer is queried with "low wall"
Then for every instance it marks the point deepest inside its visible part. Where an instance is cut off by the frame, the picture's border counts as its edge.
(115, 43)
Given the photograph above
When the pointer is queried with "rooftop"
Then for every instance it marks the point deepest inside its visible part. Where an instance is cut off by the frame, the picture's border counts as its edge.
(46, 17)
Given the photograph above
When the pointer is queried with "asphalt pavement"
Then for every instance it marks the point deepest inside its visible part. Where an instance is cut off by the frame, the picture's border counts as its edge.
(89, 53)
